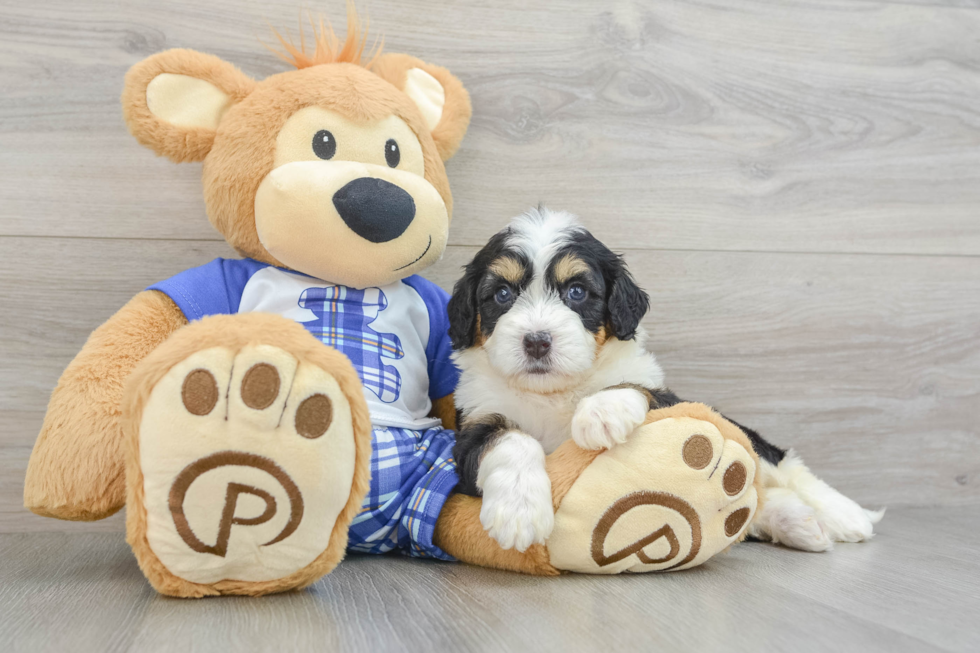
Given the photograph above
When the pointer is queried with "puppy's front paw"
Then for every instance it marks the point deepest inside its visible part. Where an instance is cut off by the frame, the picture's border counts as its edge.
(517, 510)
(608, 417)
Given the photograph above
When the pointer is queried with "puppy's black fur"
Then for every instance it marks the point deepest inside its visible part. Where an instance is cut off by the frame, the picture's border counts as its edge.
(469, 300)
(474, 438)
(623, 303)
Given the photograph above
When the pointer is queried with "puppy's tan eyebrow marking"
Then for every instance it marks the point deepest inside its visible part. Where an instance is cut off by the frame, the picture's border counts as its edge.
(569, 266)
(508, 268)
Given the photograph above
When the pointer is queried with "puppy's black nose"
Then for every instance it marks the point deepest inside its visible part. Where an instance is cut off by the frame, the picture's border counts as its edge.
(537, 345)
(375, 209)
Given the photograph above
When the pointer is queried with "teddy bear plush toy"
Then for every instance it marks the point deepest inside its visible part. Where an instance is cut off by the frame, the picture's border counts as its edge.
(260, 416)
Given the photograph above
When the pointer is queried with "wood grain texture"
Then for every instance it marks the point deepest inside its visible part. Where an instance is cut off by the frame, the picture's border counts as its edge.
(788, 126)
(907, 590)
(868, 365)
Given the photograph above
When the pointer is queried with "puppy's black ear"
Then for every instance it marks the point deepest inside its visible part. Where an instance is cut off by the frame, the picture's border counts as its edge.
(462, 310)
(628, 303)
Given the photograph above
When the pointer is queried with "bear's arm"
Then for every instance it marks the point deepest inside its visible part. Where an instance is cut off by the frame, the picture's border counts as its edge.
(76, 470)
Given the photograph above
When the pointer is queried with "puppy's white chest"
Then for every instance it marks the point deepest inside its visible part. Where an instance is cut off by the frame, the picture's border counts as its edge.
(546, 418)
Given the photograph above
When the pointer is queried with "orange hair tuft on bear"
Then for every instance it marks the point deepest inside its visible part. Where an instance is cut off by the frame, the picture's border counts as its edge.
(327, 47)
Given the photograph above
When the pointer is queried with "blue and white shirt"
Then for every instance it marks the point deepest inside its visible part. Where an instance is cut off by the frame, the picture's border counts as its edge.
(397, 336)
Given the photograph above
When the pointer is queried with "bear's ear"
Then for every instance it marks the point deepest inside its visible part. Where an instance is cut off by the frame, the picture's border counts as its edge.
(173, 101)
(439, 96)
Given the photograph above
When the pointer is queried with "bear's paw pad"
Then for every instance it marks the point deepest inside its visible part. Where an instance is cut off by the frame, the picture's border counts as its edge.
(247, 459)
(673, 495)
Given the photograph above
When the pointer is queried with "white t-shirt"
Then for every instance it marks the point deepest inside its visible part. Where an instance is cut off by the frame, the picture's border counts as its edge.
(396, 336)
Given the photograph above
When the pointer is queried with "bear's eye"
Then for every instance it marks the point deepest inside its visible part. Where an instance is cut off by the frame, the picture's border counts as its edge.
(324, 144)
(392, 153)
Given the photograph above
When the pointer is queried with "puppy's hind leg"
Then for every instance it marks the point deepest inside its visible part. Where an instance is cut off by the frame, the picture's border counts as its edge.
(785, 519)
(804, 512)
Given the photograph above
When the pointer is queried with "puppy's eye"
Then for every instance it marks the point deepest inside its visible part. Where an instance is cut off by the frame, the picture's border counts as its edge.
(392, 154)
(324, 144)
(576, 293)
(503, 295)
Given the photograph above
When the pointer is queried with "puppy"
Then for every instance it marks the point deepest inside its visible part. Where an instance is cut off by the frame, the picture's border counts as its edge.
(545, 326)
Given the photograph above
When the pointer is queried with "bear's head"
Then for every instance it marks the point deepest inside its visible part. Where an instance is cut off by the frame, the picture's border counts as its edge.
(334, 169)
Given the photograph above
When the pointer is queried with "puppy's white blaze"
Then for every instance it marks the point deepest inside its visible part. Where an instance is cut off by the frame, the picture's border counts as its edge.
(539, 233)
(517, 509)
(607, 418)
(795, 497)
(496, 376)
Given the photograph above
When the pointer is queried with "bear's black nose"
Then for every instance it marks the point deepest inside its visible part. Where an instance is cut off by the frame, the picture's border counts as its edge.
(375, 209)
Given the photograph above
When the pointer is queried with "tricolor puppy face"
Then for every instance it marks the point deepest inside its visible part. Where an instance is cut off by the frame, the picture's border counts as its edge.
(541, 298)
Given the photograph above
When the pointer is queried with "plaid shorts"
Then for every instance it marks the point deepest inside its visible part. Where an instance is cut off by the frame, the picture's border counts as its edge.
(412, 475)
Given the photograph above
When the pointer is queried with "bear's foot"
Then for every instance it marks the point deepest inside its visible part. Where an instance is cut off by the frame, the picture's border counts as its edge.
(676, 493)
(681, 488)
(245, 466)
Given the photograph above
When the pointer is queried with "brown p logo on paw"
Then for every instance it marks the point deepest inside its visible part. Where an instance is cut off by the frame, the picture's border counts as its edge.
(178, 493)
(697, 453)
(622, 508)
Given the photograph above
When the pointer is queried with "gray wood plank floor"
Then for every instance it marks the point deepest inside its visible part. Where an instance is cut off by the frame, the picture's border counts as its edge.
(916, 587)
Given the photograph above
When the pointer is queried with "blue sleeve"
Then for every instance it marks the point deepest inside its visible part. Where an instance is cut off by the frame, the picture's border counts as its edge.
(214, 288)
(443, 373)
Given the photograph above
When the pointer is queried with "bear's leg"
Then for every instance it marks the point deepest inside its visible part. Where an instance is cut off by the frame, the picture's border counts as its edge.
(681, 489)
(248, 443)
(460, 534)
(76, 470)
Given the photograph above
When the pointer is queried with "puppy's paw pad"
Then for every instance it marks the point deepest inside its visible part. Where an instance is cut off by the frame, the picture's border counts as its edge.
(607, 418)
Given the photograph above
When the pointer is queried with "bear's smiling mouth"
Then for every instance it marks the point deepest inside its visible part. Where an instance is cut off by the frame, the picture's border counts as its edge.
(427, 247)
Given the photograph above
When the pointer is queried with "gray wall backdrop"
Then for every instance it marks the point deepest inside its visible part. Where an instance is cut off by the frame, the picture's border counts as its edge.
(797, 184)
